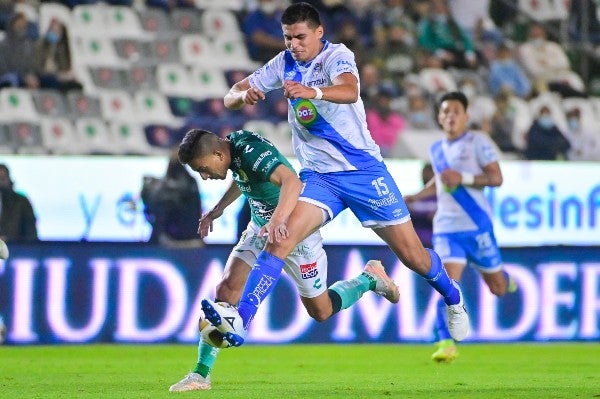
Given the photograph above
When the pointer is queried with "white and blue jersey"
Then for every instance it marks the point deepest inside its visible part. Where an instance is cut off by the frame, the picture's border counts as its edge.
(342, 166)
(462, 225)
(327, 137)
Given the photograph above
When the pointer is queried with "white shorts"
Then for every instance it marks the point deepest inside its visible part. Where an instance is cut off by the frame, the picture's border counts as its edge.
(306, 264)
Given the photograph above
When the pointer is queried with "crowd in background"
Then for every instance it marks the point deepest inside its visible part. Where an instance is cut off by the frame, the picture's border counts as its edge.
(521, 84)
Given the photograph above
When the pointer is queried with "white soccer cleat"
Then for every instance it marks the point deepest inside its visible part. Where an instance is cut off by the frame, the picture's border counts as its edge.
(192, 382)
(458, 319)
(3, 250)
(227, 320)
(384, 286)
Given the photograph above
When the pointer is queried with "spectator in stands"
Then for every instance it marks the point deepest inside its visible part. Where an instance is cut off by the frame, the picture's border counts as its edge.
(580, 16)
(441, 35)
(503, 123)
(369, 82)
(17, 219)
(347, 33)
(384, 123)
(423, 210)
(394, 38)
(262, 29)
(506, 74)
(585, 144)
(173, 206)
(547, 64)
(52, 59)
(16, 55)
(419, 113)
(481, 106)
(545, 141)
(474, 17)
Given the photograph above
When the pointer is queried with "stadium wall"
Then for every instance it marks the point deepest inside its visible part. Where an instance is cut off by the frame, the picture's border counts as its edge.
(70, 292)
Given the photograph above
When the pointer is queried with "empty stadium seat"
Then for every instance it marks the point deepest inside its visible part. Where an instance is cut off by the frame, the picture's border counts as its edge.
(123, 21)
(195, 49)
(174, 80)
(156, 21)
(152, 107)
(94, 136)
(106, 77)
(88, 20)
(207, 83)
(117, 105)
(7, 142)
(27, 137)
(186, 20)
(17, 105)
(51, 10)
(58, 135)
(82, 105)
(218, 22)
(231, 53)
(50, 102)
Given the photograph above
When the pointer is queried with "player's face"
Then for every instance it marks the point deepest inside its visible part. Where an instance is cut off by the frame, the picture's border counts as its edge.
(210, 166)
(303, 42)
(453, 117)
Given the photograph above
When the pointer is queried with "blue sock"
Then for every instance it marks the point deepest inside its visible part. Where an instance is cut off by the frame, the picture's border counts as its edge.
(439, 280)
(260, 283)
(441, 327)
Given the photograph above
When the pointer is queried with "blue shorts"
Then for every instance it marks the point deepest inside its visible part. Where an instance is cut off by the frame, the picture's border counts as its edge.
(371, 194)
(478, 248)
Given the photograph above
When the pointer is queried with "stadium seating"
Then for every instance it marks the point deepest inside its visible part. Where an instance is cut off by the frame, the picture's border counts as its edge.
(58, 136)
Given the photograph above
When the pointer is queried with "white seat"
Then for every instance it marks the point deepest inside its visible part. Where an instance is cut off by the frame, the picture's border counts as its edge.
(262, 127)
(58, 135)
(232, 53)
(283, 139)
(207, 83)
(130, 139)
(27, 137)
(436, 80)
(195, 49)
(233, 5)
(220, 22)
(49, 11)
(152, 107)
(124, 22)
(17, 105)
(116, 105)
(523, 121)
(96, 51)
(544, 10)
(94, 136)
(174, 80)
(88, 20)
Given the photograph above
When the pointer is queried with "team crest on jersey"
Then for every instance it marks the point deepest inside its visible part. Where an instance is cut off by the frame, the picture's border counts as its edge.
(309, 270)
(305, 111)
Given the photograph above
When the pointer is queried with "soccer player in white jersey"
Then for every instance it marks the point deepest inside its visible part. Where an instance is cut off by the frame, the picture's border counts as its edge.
(341, 168)
(464, 162)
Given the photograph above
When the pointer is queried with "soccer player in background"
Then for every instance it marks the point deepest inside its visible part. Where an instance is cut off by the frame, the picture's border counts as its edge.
(270, 184)
(341, 168)
(464, 162)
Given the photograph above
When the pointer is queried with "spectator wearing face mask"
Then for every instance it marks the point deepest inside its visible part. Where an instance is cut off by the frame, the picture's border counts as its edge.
(16, 55)
(385, 124)
(263, 31)
(52, 59)
(585, 145)
(545, 141)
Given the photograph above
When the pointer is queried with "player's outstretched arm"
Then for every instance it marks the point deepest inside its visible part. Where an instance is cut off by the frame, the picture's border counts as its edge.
(241, 93)
(206, 221)
(428, 191)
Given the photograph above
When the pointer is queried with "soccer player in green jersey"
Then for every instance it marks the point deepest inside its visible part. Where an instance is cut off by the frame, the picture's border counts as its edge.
(270, 184)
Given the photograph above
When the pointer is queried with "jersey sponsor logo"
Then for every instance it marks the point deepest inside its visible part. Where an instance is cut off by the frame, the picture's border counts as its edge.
(309, 270)
(316, 82)
(269, 164)
(260, 158)
(305, 111)
(290, 75)
(386, 201)
(240, 176)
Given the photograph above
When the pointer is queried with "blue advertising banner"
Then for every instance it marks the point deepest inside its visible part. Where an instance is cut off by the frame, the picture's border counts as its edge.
(123, 292)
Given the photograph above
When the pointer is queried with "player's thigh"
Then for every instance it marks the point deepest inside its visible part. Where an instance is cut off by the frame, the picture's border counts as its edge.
(404, 242)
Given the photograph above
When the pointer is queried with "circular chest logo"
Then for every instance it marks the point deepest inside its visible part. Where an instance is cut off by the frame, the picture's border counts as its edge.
(305, 111)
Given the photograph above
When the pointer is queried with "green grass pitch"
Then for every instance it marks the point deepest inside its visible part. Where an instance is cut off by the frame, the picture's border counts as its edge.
(504, 371)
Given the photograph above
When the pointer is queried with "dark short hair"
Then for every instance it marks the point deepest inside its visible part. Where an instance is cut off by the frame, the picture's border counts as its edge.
(454, 95)
(196, 142)
(301, 12)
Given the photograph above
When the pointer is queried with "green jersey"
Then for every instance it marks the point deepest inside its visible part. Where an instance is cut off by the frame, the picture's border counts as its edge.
(253, 159)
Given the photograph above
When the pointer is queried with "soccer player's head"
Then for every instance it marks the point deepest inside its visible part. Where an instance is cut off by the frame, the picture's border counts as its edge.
(452, 113)
(302, 31)
(205, 153)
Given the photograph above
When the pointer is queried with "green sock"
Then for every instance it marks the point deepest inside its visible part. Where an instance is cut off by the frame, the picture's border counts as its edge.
(207, 355)
(351, 290)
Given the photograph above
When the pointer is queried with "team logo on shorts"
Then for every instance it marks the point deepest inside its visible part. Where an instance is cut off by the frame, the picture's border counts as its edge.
(309, 270)
(305, 111)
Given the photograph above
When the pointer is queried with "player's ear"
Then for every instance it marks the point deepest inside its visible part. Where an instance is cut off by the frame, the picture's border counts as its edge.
(319, 31)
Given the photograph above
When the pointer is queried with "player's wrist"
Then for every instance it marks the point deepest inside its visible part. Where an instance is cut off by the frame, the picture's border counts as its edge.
(467, 179)
(318, 93)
